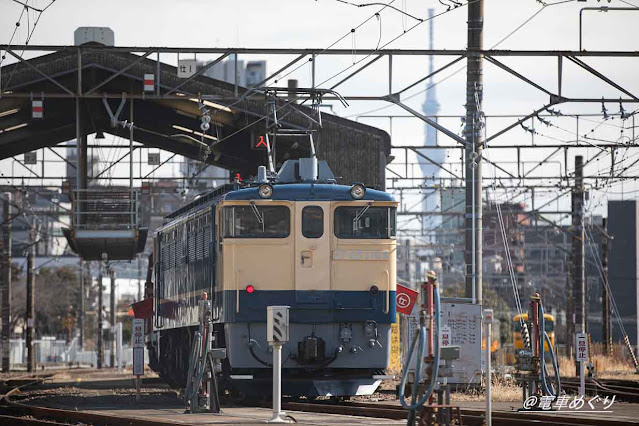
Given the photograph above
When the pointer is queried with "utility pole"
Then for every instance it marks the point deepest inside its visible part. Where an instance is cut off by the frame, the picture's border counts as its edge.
(112, 319)
(578, 249)
(473, 254)
(82, 297)
(100, 353)
(5, 279)
(31, 363)
(605, 297)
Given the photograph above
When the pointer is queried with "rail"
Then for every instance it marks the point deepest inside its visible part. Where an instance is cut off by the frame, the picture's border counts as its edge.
(105, 209)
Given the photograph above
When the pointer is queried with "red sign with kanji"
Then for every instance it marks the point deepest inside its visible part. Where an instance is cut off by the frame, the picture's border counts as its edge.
(405, 299)
(261, 143)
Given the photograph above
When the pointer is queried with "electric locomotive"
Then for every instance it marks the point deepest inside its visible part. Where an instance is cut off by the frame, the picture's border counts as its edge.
(293, 238)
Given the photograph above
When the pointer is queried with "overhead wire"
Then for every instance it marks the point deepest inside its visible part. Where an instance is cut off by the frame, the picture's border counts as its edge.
(264, 117)
(28, 39)
(459, 69)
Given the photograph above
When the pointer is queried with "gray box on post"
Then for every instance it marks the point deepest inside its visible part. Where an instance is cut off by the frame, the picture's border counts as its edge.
(277, 324)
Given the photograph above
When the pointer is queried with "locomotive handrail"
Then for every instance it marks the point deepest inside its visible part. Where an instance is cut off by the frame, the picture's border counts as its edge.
(387, 292)
(237, 288)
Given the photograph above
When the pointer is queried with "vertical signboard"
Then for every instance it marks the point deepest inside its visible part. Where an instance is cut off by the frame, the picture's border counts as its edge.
(137, 343)
(581, 347)
(445, 336)
(581, 356)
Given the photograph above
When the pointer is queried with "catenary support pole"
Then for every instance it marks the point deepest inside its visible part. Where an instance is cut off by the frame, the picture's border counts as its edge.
(100, 304)
(30, 300)
(473, 253)
(5, 279)
(112, 319)
(578, 249)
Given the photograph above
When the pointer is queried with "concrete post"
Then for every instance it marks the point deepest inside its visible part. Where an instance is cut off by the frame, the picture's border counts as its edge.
(99, 316)
(112, 319)
(578, 250)
(82, 297)
(473, 254)
(30, 301)
(118, 338)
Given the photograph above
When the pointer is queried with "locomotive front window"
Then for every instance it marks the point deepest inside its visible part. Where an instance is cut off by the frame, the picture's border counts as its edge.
(312, 221)
(256, 221)
(365, 222)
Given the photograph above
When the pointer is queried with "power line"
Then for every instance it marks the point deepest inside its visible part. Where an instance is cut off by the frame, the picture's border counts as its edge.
(29, 33)
(464, 66)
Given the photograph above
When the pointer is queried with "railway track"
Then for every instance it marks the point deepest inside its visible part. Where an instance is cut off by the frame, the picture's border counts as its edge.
(469, 417)
(13, 412)
(623, 390)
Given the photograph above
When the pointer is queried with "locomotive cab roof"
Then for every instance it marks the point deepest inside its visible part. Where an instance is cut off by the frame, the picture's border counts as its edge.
(302, 179)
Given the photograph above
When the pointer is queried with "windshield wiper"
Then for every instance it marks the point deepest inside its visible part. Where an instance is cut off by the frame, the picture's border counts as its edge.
(359, 215)
(258, 214)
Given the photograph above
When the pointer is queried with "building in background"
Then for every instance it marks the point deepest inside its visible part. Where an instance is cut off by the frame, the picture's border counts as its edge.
(247, 76)
(623, 270)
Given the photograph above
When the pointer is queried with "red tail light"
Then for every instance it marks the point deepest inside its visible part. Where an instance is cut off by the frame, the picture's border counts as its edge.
(250, 289)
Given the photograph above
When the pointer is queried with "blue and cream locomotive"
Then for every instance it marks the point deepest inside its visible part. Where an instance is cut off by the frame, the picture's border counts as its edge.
(293, 238)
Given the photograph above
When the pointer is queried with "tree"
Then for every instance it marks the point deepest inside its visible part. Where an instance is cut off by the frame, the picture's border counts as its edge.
(57, 300)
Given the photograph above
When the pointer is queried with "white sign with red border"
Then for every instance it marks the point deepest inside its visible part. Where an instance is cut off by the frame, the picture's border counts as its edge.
(37, 109)
(149, 82)
(581, 347)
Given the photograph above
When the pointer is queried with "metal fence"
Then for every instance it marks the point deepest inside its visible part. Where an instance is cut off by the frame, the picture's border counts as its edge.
(52, 352)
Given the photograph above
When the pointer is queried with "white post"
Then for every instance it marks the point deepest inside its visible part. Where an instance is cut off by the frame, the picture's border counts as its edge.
(277, 333)
(488, 321)
(582, 379)
(277, 385)
(118, 341)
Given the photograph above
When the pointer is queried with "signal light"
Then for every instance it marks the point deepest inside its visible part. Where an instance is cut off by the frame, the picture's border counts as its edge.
(374, 289)
(250, 289)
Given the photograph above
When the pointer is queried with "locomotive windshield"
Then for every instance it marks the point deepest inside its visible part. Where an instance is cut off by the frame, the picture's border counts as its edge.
(365, 222)
(255, 221)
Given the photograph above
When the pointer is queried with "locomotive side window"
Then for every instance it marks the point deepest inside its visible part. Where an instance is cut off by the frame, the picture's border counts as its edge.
(365, 222)
(312, 222)
(256, 221)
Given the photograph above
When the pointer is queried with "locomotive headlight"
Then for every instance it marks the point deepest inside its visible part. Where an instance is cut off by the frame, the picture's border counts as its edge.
(358, 191)
(265, 190)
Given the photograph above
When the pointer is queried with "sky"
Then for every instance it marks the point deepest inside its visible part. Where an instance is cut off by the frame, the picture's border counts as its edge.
(320, 23)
